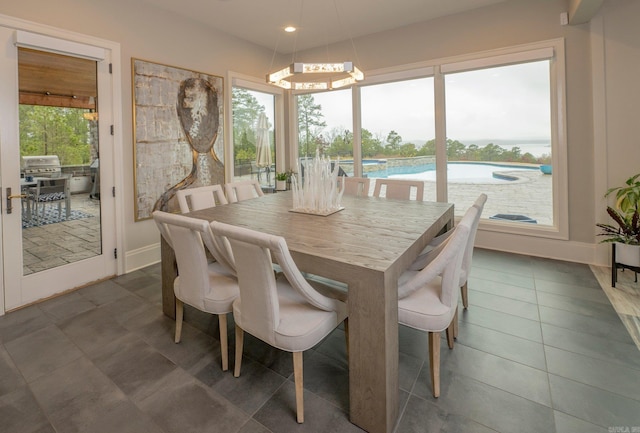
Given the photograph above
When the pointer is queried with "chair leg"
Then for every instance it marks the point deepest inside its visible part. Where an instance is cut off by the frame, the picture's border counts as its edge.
(179, 317)
(455, 324)
(450, 337)
(465, 295)
(434, 361)
(224, 345)
(239, 344)
(297, 375)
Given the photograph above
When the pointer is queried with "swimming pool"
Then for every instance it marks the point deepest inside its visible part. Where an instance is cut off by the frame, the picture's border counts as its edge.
(458, 172)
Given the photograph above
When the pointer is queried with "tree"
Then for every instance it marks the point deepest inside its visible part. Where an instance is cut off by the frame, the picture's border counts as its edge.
(371, 146)
(341, 142)
(455, 150)
(55, 131)
(393, 143)
(310, 124)
(408, 150)
(515, 154)
(246, 110)
(491, 152)
(429, 148)
(472, 152)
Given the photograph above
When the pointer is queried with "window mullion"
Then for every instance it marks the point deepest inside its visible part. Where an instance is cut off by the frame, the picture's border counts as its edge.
(441, 135)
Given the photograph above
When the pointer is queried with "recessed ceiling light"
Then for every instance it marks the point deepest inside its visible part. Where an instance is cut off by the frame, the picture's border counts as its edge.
(289, 29)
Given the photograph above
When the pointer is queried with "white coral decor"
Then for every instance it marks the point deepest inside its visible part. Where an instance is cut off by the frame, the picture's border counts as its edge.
(318, 192)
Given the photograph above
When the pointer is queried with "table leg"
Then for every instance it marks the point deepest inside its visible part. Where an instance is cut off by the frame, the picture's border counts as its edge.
(373, 352)
(169, 273)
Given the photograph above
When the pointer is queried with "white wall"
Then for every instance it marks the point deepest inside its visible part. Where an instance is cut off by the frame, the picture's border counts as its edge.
(616, 70)
(155, 35)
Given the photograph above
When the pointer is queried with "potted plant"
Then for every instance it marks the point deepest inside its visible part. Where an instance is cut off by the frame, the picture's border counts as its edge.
(281, 181)
(625, 234)
(628, 196)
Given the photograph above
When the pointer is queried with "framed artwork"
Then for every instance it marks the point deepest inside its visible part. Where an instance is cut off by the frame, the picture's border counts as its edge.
(177, 133)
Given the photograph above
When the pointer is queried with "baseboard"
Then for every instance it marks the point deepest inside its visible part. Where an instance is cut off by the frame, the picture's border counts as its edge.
(142, 257)
(571, 251)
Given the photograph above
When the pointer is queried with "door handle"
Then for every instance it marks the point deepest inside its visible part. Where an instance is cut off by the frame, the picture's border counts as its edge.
(9, 197)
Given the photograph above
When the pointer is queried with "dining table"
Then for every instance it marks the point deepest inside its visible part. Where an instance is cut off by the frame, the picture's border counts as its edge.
(366, 245)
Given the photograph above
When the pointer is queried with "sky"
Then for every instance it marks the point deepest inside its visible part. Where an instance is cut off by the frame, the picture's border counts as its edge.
(503, 103)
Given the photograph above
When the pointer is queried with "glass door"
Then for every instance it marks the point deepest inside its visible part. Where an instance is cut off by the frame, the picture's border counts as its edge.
(53, 213)
(59, 164)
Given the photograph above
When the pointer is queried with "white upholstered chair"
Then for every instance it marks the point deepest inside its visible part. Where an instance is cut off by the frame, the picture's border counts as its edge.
(399, 189)
(242, 190)
(428, 299)
(209, 287)
(436, 245)
(358, 186)
(202, 197)
(287, 312)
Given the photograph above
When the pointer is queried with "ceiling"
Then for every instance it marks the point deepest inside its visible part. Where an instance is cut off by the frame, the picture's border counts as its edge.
(56, 80)
(320, 22)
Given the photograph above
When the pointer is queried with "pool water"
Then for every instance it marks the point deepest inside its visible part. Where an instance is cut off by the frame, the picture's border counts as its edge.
(456, 172)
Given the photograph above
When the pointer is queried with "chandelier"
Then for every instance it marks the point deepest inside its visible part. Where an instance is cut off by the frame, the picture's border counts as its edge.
(315, 76)
(302, 76)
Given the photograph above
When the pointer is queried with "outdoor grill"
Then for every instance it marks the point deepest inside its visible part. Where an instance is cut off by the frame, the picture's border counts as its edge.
(41, 166)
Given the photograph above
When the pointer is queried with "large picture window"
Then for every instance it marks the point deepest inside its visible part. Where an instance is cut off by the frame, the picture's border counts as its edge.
(484, 123)
(498, 138)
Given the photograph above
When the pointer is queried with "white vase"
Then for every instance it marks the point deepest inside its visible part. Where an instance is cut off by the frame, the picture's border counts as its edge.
(281, 185)
(628, 254)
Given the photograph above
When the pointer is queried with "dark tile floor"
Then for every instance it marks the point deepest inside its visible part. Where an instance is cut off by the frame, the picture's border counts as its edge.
(540, 350)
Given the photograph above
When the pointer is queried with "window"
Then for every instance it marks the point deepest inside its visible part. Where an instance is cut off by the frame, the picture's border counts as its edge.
(498, 134)
(486, 122)
(254, 149)
(325, 124)
(398, 131)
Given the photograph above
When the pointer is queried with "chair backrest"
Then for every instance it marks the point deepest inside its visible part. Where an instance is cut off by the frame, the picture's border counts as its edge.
(358, 186)
(253, 253)
(468, 253)
(242, 190)
(52, 189)
(202, 197)
(186, 235)
(447, 264)
(399, 189)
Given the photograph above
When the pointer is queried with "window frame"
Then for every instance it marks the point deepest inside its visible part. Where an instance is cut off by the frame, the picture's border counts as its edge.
(235, 79)
(552, 50)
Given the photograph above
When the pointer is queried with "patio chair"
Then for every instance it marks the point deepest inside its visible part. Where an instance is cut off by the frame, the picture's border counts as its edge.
(399, 189)
(209, 287)
(242, 190)
(202, 197)
(49, 191)
(428, 299)
(287, 312)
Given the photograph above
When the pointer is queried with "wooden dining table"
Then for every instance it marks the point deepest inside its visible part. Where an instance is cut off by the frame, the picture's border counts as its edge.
(367, 245)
